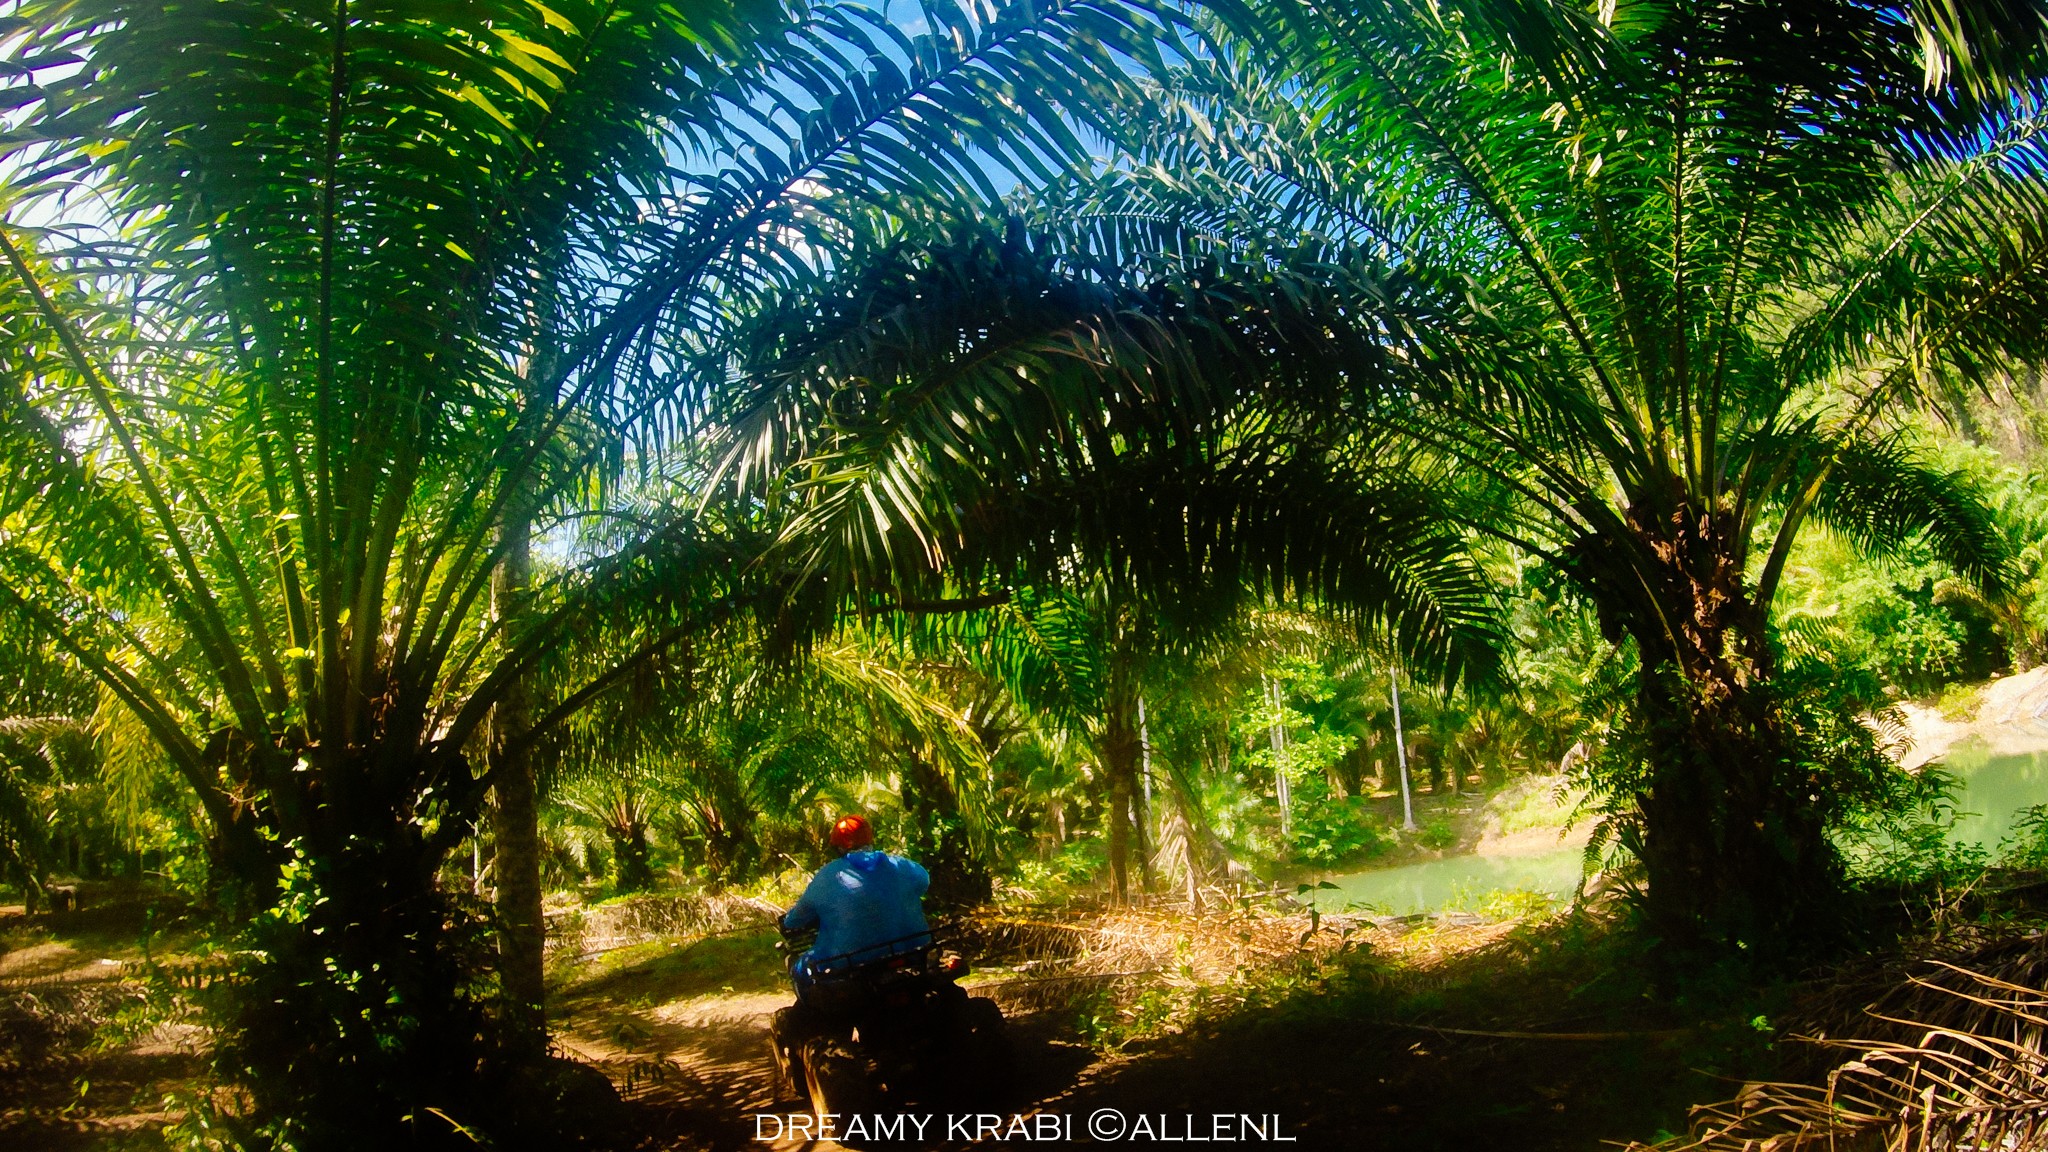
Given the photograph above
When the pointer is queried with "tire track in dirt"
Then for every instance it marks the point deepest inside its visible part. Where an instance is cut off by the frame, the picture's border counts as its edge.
(697, 1072)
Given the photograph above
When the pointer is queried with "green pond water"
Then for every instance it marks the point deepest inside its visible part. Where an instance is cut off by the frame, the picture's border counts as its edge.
(1432, 884)
(1994, 790)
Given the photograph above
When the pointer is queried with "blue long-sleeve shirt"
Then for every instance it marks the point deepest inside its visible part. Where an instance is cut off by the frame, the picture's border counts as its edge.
(866, 904)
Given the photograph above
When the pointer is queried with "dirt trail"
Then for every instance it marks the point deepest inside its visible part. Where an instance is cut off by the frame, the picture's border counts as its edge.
(681, 1029)
(697, 1068)
(693, 1061)
(1326, 1084)
(698, 1072)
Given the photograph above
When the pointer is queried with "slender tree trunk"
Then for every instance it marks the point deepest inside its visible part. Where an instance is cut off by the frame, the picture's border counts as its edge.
(1119, 751)
(515, 826)
(1141, 841)
(1143, 816)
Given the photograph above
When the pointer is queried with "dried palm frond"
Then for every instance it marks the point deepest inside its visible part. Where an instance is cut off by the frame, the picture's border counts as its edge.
(641, 919)
(1953, 1057)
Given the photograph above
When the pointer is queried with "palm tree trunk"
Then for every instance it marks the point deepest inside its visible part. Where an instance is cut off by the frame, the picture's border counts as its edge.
(515, 827)
(1119, 750)
(729, 841)
(632, 870)
(1735, 855)
(1119, 837)
(1732, 838)
(358, 1013)
(938, 836)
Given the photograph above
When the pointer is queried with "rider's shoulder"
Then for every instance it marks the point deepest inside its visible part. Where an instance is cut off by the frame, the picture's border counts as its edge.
(896, 862)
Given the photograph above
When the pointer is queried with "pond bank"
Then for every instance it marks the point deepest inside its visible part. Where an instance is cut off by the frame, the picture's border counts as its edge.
(1518, 842)
(1993, 737)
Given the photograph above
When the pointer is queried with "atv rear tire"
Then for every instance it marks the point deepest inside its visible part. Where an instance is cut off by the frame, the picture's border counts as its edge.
(990, 1062)
(836, 1078)
(782, 1055)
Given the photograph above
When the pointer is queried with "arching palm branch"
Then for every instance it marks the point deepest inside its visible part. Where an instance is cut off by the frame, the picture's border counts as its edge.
(353, 297)
(961, 416)
(960, 422)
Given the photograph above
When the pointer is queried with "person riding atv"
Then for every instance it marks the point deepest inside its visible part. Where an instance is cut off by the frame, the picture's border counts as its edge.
(879, 1012)
(867, 905)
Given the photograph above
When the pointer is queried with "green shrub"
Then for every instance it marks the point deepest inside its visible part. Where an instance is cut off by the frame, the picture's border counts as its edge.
(2027, 845)
(1329, 830)
(1075, 865)
(1500, 904)
(1917, 847)
(1959, 702)
(1439, 834)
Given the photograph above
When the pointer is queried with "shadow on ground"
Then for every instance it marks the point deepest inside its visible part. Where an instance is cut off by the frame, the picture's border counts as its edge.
(1376, 1063)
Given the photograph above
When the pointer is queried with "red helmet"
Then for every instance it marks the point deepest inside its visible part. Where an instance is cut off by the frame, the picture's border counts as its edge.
(852, 832)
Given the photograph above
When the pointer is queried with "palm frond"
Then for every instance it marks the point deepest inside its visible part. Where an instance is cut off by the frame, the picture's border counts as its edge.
(1884, 497)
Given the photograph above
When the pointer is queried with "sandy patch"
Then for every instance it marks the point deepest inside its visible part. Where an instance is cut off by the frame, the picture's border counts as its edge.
(722, 1011)
(2011, 718)
(1535, 841)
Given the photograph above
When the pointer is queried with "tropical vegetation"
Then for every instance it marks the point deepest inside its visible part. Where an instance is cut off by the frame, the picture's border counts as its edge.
(460, 457)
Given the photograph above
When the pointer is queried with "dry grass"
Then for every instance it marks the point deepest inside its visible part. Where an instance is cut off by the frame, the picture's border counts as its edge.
(1047, 960)
(1949, 1055)
(42, 1025)
(1199, 949)
(633, 920)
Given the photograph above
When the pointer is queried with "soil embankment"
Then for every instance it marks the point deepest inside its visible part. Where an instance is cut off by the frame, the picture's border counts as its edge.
(2006, 716)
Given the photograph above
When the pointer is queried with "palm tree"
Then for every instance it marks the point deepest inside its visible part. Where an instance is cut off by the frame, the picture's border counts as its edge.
(46, 750)
(1080, 470)
(739, 746)
(1076, 656)
(353, 303)
(39, 757)
(1653, 275)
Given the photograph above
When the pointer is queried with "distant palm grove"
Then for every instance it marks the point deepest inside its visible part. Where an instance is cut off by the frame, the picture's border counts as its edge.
(464, 459)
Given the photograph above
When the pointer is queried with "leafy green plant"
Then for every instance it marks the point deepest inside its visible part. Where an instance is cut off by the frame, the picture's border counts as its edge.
(1329, 831)
(1500, 904)
(1440, 833)
(2026, 846)
(1925, 853)
(1960, 703)
(1074, 866)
